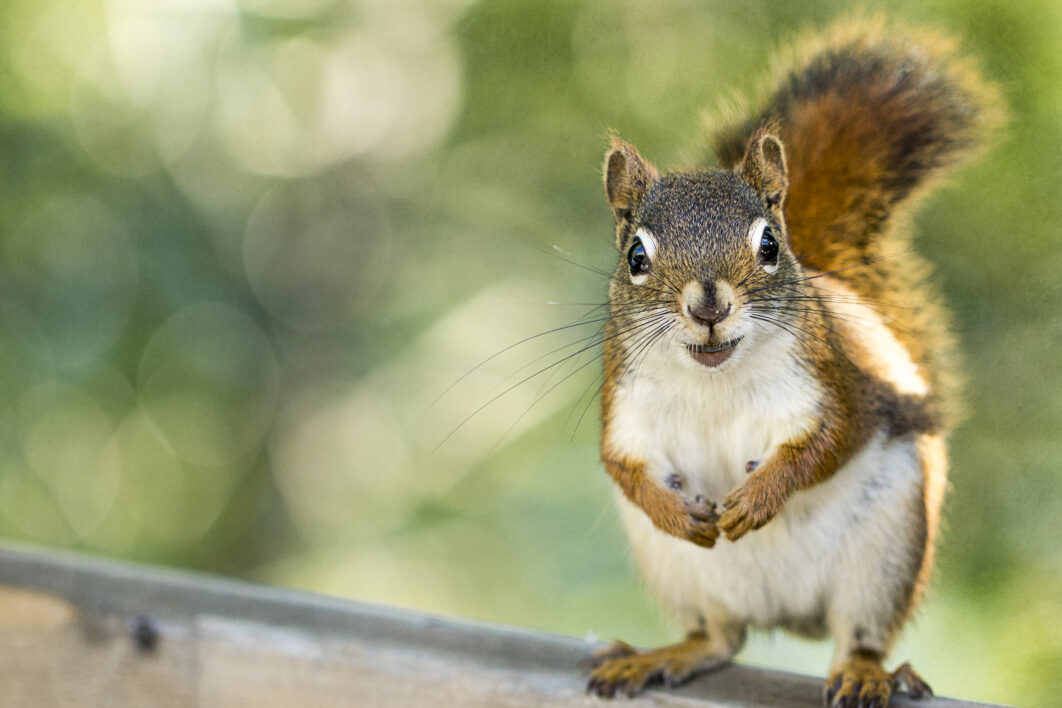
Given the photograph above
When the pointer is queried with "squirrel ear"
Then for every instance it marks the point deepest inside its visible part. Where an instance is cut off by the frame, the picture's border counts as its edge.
(627, 179)
(763, 168)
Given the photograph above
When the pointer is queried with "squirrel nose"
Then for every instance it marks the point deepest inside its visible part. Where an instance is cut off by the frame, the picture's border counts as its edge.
(707, 312)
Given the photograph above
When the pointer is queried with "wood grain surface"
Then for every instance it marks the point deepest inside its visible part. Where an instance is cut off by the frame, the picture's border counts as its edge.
(78, 631)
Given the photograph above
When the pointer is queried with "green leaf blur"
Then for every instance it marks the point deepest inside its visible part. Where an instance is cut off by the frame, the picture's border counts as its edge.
(248, 245)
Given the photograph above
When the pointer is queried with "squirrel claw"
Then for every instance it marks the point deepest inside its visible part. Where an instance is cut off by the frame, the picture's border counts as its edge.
(616, 650)
(737, 519)
(747, 508)
(702, 526)
(916, 685)
(734, 525)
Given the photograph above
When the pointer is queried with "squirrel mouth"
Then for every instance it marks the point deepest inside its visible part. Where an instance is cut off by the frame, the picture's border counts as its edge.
(712, 355)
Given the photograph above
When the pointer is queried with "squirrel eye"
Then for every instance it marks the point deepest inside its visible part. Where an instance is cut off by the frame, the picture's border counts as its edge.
(768, 246)
(637, 258)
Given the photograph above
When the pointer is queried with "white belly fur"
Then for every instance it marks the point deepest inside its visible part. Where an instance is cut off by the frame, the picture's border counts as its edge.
(822, 556)
(786, 573)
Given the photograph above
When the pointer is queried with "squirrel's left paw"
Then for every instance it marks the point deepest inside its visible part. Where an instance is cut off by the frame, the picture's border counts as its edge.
(748, 507)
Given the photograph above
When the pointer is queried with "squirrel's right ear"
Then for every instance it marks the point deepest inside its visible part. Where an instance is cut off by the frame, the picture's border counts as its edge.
(627, 179)
(763, 168)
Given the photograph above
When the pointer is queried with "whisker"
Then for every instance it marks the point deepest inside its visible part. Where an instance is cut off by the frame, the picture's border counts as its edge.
(670, 283)
(557, 252)
(632, 354)
(528, 378)
(790, 326)
(839, 299)
(639, 310)
(861, 264)
(828, 314)
(598, 333)
(602, 376)
(580, 322)
(596, 383)
(636, 329)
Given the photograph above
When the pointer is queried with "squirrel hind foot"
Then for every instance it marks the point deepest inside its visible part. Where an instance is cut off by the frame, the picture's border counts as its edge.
(619, 668)
(916, 685)
(861, 682)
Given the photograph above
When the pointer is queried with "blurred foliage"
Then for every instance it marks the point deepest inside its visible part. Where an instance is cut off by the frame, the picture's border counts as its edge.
(246, 244)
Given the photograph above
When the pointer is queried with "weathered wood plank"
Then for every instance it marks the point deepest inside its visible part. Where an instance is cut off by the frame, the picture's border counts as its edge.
(86, 632)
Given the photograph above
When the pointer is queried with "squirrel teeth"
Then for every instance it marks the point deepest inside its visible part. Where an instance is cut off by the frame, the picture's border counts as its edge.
(712, 355)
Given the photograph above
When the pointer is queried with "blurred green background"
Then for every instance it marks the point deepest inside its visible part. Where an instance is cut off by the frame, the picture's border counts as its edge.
(247, 243)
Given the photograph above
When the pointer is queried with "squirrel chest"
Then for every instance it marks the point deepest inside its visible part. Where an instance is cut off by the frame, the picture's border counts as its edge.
(706, 426)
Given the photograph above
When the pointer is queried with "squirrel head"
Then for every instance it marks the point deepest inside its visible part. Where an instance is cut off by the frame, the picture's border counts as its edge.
(706, 265)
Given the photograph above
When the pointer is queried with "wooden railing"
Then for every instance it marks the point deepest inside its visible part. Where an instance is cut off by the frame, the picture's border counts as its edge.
(77, 631)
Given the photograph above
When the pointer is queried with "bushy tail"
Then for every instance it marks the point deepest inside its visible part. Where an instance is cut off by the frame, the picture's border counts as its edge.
(869, 114)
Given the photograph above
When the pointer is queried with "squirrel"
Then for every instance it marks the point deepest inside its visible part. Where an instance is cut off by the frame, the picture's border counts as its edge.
(773, 344)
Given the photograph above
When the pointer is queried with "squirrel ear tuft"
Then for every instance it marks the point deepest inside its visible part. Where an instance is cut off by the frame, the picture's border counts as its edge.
(763, 167)
(627, 179)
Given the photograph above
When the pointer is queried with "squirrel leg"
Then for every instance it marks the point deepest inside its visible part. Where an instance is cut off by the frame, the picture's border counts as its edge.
(620, 668)
(689, 519)
(877, 576)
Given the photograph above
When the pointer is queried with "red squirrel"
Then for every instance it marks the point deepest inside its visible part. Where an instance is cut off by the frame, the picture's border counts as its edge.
(779, 372)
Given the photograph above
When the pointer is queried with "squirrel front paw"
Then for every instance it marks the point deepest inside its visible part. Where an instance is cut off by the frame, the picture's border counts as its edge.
(663, 501)
(701, 523)
(749, 507)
